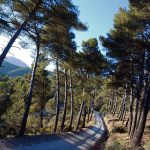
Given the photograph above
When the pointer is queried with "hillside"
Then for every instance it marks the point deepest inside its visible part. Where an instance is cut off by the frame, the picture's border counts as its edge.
(13, 70)
(118, 136)
(16, 61)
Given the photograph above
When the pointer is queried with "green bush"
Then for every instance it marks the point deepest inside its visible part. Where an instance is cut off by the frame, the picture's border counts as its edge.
(119, 129)
(7, 131)
(32, 131)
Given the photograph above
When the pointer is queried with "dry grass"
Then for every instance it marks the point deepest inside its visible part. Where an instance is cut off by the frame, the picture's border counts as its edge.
(121, 141)
(146, 137)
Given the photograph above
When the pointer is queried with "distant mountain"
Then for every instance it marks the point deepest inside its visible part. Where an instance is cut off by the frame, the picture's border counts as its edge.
(16, 62)
(13, 70)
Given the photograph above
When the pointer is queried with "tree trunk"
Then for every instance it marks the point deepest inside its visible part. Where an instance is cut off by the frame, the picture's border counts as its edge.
(139, 91)
(145, 106)
(119, 112)
(84, 117)
(131, 100)
(29, 97)
(131, 111)
(41, 118)
(15, 36)
(115, 104)
(123, 108)
(141, 126)
(71, 101)
(88, 118)
(58, 96)
(124, 115)
(66, 99)
(136, 113)
(144, 93)
(91, 115)
(122, 112)
(127, 122)
(80, 113)
(42, 105)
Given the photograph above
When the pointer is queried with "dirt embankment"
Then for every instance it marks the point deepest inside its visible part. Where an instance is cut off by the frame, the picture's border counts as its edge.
(118, 136)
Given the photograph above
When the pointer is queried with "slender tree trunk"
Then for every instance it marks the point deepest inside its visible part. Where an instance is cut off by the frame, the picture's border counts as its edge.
(134, 119)
(136, 107)
(115, 104)
(88, 118)
(131, 100)
(144, 93)
(84, 117)
(80, 113)
(142, 90)
(122, 112)
(121, 106)
(71, 101)
(66, 99)
(124, 115)
(15, 36)
(42, 104)
(141, 126)
(95, 94)
(127, 122)
(145, 107)
(139, 91)
(29, 97)
(131, 111)
(91, 115)
(58, 96)
(41, 118)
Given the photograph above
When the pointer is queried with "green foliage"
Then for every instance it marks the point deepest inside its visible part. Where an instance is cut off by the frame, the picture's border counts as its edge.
(11, 118)
(6, 89)
(90, 45)
(92, 61)
(51, 29)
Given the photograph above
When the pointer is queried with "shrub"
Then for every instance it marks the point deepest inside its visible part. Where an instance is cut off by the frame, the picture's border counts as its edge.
(119, 129)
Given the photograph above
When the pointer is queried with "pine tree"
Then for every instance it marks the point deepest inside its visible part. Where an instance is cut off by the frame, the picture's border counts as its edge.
(127, 45)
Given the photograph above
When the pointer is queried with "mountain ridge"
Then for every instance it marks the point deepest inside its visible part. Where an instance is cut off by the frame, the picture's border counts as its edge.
(13, 70)
(16, 61)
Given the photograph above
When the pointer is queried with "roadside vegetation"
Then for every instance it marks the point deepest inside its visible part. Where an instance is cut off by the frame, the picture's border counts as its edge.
(118, 83)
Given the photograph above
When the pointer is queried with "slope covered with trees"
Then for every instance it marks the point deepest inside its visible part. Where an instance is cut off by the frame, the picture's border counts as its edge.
(44, 102)
(127, 47)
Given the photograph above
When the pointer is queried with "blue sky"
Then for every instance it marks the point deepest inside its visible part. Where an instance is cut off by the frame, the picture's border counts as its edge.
(98, 14)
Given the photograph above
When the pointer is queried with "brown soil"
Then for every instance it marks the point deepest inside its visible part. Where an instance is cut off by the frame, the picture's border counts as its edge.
(122, 138)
